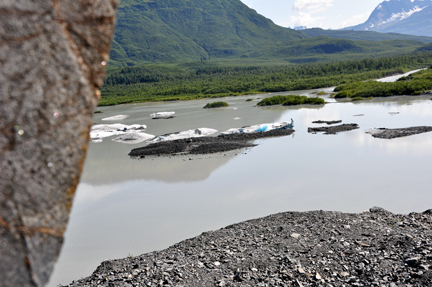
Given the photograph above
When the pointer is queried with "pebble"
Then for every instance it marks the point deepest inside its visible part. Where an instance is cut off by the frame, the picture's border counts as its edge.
(295, 235)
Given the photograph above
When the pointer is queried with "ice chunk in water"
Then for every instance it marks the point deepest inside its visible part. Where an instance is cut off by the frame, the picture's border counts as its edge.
(115, 118)
(162, 115)
(103, 130)
(96, 140)
(260, 128)
(200, 132)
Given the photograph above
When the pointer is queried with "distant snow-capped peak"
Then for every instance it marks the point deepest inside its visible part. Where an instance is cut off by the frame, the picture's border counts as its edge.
(403, 15)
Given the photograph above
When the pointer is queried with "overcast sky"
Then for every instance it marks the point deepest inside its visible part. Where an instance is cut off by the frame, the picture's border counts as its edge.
(326, 14)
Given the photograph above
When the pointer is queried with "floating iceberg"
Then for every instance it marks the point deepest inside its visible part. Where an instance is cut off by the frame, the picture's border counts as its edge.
(200, 132)
(97, 132)
(96, 140)
(115, 118)
(261, 128)
(133, 138)
(162, 115)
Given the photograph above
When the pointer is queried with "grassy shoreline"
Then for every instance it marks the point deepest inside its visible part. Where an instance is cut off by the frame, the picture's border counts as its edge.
(413, 84)
(169, 83)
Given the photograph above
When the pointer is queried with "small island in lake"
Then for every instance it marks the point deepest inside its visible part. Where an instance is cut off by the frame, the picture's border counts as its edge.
(291, 100)
(216, 105)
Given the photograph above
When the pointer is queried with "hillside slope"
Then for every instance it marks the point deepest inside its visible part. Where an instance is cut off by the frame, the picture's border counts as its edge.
(364, 35)
(191, 30)
(425, 48)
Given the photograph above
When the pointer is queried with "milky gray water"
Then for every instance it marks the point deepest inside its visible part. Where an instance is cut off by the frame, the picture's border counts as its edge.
(128, 207)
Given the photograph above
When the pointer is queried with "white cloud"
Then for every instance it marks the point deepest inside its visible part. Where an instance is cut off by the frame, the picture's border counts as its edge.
(354, 20)
(304, 19)
(312, 5)
(305, 12)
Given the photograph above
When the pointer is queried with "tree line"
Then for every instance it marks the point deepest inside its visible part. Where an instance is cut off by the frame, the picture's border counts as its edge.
(167, 83)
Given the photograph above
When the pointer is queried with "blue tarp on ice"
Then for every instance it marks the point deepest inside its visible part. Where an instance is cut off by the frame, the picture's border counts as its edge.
(260, 128)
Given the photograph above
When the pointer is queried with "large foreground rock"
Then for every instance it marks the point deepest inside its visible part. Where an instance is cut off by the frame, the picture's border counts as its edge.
(374, 248)
(52, 58)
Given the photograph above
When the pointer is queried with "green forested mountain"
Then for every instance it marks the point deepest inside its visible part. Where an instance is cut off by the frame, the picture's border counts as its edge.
(425, 48)
(364, 35)
(165, 30)
(155, 31)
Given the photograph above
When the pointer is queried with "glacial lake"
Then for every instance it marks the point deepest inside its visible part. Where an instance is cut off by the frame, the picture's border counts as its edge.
(125, 206)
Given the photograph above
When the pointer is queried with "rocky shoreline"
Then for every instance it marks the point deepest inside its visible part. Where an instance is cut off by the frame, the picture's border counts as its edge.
(317, 248)
(206, 145)
(384, 133)
(332, 130)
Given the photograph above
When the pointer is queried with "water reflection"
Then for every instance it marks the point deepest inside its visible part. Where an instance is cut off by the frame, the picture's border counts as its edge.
(396, 101)
(127, 206)
(309, 115)
(418, 145)
(107, 162)
(102, 168)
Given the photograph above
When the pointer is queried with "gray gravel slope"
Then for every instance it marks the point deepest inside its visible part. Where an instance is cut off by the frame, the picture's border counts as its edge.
(317, 248)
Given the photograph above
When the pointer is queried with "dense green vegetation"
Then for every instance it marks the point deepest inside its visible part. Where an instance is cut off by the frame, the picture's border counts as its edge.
(303, 100)
(360, 99)
(167, 83)
(324, 48)
(291, 100)
(275, 100)
(216, 105)
(425, 48)
(414, 84)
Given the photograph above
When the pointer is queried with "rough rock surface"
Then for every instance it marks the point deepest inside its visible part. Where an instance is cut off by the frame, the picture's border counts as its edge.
(334, 129)
(318, 248)
(52, 58)
(206, 145)
(384, 133)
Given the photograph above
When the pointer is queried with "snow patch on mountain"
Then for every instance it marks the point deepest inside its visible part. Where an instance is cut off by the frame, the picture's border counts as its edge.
(403, 15)
(399, 16)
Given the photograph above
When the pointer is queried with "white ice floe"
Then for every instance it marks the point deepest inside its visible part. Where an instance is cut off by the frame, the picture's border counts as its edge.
(237, 118)
(200, 132)
(98, 132)
(162, 115)
(133, 138)
(96, 140)
(260, 128)
(115, 118)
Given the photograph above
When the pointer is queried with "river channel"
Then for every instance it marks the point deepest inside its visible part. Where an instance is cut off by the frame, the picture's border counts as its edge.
(126, 207)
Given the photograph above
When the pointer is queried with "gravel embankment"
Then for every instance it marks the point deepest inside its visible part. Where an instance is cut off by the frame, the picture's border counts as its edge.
(317, 248)
(334, 129)
(206, 145)
(384, 133)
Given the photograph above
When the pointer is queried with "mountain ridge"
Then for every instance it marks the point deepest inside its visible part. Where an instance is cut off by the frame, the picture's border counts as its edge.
(171, 31)
(413, 17)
